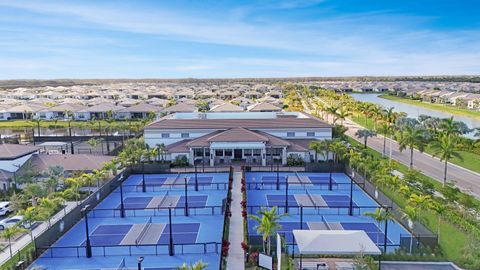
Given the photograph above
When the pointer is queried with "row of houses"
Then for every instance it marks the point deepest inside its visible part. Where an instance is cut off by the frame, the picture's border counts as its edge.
(459, 99)
(109, 110)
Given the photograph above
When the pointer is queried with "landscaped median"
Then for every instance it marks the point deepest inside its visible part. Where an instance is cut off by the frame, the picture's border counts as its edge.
(456, 232)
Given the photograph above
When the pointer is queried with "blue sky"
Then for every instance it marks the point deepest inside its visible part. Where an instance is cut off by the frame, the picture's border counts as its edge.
(212, 39)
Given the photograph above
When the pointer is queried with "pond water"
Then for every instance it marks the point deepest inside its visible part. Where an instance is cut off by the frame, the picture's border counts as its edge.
(414, 111)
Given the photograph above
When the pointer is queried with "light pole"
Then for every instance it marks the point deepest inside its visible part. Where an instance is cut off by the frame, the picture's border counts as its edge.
(144, 188)
(170, 242)
(350, 210)
(140, 260)
(286, 196)
(196, 177)
(186, 197)
(70, 135)
(122, 207)
(88, 247)
(278, 176)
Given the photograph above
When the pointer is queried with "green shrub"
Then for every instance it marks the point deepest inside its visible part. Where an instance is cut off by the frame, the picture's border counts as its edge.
(180, 161)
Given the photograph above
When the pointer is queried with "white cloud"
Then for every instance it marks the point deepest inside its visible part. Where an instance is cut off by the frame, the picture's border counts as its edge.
(364, 44)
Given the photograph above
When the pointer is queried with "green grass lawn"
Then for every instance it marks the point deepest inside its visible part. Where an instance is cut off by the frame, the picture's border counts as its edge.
(470, 160)
(451, 237)
(434, 106)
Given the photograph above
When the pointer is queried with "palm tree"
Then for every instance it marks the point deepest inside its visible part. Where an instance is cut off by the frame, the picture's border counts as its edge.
(384, 130)
(419, 201)
(379, 215)
(161, 150)
(446, 148)
(410, 213)
(334, 112)
(196, 266)
(439, 208)
(365, 134)
(412, 137)
(342, 115)
(10, 232)
(316, 146)
(450, 127)
(268, 224)
(338, 148)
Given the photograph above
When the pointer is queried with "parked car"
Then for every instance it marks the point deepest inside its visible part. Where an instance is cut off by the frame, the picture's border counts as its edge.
(12, 221)
(5, 208)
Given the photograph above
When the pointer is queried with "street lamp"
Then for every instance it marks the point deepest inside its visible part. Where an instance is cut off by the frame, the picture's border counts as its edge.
(122, 207)
(140, 260)
(170, 242)
(88, 247)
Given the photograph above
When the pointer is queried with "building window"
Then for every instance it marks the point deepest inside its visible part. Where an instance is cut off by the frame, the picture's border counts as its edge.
(290, 134)
(247, 152)
(257, 152)
(198, 152)
(310, 134)
(274, 151)
(185, 135)
(228, 152)
(165, 135)
(219, 152)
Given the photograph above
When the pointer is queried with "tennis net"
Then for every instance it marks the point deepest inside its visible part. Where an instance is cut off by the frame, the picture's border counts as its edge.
(326, 223)
(165, 196)
(122, 265)
(311, 197)
(144, 231)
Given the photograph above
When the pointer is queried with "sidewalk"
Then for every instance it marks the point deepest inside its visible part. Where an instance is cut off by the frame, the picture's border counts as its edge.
(27, 238)
(235, 259)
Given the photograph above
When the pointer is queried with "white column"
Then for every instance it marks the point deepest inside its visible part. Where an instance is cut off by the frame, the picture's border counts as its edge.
(191, 158)
(284, 156)
(264, 157)
(212, 157)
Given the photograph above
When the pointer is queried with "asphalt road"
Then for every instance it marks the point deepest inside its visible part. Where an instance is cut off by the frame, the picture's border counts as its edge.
(464, 179)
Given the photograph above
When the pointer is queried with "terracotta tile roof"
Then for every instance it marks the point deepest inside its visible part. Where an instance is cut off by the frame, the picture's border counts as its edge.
(14, 151)
(141, 107)
(299, 145)
(178, 147)
(238, 134)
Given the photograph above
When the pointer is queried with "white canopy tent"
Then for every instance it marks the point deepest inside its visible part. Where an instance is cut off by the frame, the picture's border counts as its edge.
(334, 242)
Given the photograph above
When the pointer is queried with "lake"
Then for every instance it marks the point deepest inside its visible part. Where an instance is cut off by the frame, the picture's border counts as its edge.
(414, 111)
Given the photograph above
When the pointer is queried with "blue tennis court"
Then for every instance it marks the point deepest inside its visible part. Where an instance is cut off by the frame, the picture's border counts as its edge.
(136, 202)
(321, 180)
(338, 200)
(202, 180)
(279, 200)
(273, 179)
(193, 201)
(109, 235)
(182, 233)
(371, 229)
(155, 180)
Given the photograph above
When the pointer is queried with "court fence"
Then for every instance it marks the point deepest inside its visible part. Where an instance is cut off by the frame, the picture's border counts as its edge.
(130, 250)
(157, 211)
(226, 222)
(420, 236)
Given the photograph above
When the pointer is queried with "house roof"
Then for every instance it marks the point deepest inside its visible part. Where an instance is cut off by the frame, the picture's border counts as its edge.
(263, 107)
(226, 107)
(238, 134)
(270, 123)
(29, 108)
(79, 162)
(180, 107)
(65, 107)
(13, 151)
(141, 107)
(104, 107)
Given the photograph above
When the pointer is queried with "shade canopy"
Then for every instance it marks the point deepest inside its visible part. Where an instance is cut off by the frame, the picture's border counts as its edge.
(334, 242)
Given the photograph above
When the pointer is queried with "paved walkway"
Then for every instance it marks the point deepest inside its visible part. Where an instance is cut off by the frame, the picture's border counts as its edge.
(235, 259)
(27, 238)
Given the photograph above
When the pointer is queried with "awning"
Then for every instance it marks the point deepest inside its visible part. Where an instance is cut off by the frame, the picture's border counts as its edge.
(334, 242)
